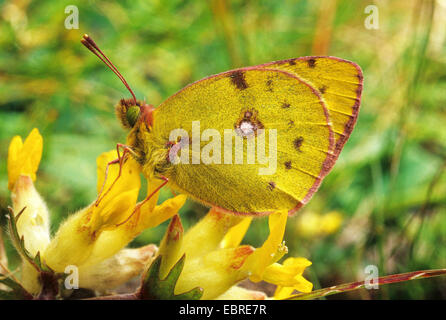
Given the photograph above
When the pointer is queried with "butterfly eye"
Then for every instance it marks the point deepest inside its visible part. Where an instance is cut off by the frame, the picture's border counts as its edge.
(132, 115)
(127, 113)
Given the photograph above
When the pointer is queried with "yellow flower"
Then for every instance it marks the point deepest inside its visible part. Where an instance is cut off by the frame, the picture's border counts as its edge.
(288, 277)
(33, 224)
(207, 265)
(263, 263)
(24, 157)
(311, 224)
(331, 222)
(23, 162)
(216, 262)
(272, 249)
(103, 228)
(93, 238)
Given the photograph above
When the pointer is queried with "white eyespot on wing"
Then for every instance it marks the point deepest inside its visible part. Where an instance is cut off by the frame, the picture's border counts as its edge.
(246, 128)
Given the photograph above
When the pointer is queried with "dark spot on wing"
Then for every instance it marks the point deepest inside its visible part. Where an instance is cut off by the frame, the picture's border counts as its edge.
(271, 185)
(285, 105)
(288, 165)
(298, 143)
(238, 79)
(290, 123)
(269, 85)
(323, 89)
(311, 63)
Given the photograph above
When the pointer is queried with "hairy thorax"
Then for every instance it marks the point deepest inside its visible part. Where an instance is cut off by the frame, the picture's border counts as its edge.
(150, 153)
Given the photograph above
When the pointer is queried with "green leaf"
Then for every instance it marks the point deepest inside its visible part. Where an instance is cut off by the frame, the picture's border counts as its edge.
(153, 288)
(17, 292)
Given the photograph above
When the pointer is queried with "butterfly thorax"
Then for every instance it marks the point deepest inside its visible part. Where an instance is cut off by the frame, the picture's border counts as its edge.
(149, 152)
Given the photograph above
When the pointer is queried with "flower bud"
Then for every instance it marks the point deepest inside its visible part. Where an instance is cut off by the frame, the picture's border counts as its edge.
(170, 247)
(118, 269)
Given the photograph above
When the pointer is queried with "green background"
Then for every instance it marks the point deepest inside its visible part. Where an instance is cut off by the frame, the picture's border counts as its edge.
(388, 183)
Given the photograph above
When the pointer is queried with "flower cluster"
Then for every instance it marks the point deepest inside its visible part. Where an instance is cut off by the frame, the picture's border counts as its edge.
(94, 239)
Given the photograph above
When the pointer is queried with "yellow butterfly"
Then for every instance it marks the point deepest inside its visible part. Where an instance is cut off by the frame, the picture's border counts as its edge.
(249, 141)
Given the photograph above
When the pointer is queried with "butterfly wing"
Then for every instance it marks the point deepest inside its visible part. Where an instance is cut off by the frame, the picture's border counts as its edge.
(267, 99)
(339, 82)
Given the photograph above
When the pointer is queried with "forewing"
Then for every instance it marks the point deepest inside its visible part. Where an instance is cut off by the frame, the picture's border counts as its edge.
(270, 99)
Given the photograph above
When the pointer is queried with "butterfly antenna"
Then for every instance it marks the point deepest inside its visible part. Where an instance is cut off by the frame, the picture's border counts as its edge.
(92, 46)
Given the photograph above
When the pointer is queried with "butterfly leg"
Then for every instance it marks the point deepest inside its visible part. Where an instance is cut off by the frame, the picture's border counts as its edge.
(120, 160)
(139, 205)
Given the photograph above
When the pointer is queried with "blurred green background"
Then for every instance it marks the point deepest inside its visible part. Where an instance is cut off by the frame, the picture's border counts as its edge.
(384, 202)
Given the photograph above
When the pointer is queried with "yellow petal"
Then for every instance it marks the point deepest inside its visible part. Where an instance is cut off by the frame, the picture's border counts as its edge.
(273, 246)
(279, 275)
(301, 285)
(151, 218)
(24, 158)
(208, 233)
(113, 239)
(118, 196)
(32, 147)
(283, 292)
(129, 179)
(117, 210)
(297, 264)
(289, 274)
(101, 166)
(235, 235)
(215, 272)
(13, 155)
(152, 185)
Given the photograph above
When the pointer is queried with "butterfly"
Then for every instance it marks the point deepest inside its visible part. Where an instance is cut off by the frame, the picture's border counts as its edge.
(300, 111)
